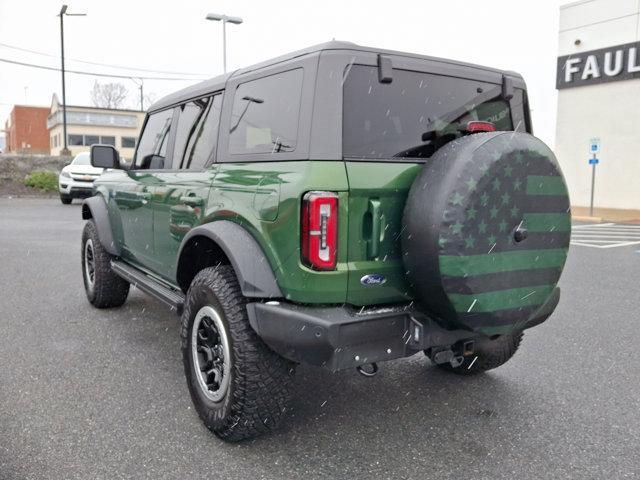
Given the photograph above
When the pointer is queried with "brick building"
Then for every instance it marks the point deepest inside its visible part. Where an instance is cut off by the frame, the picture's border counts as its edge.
(26, 130)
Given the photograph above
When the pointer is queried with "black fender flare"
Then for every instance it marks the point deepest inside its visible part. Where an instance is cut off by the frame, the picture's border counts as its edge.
(96, 208)
(255, 276)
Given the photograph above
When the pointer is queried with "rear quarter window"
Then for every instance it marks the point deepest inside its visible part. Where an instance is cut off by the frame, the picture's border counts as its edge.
(266, 113)
(415, 114)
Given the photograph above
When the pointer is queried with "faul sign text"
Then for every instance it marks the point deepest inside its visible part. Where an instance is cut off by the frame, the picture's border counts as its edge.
(599, 66)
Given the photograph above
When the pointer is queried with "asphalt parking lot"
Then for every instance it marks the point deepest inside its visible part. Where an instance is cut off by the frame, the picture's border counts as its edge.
(100, 394)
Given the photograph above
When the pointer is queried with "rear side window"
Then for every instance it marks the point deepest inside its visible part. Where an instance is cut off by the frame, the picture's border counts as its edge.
(197, 132)
(152, 147)
(265, 114)
(415, 114)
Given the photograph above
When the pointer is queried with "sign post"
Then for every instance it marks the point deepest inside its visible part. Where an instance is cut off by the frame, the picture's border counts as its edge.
(594, 149)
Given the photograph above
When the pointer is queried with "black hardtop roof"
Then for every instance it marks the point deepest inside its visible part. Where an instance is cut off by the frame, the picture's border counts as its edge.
(219, 82)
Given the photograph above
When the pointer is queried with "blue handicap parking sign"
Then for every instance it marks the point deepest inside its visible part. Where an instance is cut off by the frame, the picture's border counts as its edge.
(594, 161)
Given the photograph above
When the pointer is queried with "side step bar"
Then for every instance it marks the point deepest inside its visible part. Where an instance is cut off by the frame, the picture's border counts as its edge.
(172, 298)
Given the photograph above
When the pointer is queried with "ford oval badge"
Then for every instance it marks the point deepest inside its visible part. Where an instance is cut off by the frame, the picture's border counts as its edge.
(373, 279)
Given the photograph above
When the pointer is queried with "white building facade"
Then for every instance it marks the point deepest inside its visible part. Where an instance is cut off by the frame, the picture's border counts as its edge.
(598, 83)
(89, 125)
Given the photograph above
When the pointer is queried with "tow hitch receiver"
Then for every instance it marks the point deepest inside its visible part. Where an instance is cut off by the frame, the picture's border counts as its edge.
(455, 354)
(468, 348)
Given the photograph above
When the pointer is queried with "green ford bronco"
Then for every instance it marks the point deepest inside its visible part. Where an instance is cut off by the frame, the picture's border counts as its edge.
(338, 206)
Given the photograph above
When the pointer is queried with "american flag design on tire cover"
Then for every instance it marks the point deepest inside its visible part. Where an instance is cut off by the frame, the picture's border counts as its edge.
(511, 185)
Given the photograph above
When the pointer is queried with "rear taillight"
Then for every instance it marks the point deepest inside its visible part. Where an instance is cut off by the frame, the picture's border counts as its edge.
(477, 126)
(320, 230)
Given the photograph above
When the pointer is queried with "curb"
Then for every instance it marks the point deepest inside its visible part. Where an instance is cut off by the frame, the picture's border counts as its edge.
(586, 218)
(8, 195)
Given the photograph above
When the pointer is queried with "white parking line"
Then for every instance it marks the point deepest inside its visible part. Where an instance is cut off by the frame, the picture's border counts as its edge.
(606, 226)
(605, 235)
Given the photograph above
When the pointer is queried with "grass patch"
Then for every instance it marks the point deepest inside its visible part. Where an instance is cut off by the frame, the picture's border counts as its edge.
(44, 181)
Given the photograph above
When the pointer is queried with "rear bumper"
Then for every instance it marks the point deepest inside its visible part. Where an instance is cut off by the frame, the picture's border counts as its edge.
(340, 337)
(333, 337)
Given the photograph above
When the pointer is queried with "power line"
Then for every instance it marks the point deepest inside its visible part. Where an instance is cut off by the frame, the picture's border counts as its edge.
(95, 74)
(122, 67)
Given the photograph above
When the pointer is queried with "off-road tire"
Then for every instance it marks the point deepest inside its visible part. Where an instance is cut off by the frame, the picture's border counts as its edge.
(108, 289)
(66, 199)
(489, 354)
(261, 381)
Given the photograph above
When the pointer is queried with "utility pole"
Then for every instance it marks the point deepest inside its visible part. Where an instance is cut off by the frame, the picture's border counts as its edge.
(63, 12)
(141, 88)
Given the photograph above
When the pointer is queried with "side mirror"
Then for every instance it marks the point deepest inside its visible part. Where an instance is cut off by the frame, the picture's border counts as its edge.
(152, 162)
(156, 162)
(104, 156)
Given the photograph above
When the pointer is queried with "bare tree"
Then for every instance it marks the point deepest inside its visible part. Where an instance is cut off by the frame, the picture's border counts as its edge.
(108, 95)
(149, 99)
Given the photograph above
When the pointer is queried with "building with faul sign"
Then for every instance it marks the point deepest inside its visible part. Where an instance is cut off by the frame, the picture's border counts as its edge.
(89, 125)
(598, 82)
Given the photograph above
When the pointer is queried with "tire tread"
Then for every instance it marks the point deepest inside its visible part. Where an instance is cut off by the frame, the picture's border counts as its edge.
(262, 380)
(109, 290)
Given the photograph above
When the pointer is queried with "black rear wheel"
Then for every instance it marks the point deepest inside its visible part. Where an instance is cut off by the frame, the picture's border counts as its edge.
(240, 388)
(489, 354)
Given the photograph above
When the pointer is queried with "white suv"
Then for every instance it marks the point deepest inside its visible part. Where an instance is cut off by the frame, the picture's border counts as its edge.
(76, 179)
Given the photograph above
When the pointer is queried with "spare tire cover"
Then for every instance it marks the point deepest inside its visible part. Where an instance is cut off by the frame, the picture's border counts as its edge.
(486, 231)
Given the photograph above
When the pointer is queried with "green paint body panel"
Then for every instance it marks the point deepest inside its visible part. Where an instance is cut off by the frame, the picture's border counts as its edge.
(150, 220)
(377, 195)
(265, 198)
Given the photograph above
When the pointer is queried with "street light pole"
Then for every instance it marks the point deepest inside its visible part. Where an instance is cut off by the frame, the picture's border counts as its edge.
(224, 19)
(63, 12)
(224, 45)
(65, 150)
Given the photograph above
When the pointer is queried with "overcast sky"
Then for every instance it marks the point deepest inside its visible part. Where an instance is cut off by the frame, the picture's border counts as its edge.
(161, 35)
